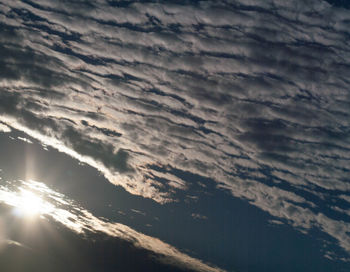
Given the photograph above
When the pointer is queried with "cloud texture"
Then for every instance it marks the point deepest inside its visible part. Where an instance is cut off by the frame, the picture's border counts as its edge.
(253, 95)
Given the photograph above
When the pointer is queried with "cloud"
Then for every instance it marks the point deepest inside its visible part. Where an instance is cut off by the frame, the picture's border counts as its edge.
(251, 95)
(4, 128)
(25, 140)
(199, 216)
(63, 210)
(138, 212)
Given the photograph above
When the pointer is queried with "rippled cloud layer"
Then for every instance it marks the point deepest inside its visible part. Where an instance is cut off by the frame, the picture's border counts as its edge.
(253, 95)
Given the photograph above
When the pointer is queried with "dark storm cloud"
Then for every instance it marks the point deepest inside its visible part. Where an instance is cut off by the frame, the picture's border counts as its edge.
(252, 95)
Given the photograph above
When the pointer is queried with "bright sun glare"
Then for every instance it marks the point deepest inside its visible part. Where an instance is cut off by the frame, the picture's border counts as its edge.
(30, 204)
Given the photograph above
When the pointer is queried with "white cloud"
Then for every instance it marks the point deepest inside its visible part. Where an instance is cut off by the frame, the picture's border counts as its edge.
(58, 207)
(4, 128)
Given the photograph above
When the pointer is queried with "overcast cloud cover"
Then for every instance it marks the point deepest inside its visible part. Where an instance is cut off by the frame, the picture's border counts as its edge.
(253, 95)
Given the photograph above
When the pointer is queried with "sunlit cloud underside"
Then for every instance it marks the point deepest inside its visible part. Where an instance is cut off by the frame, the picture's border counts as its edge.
(32, 200)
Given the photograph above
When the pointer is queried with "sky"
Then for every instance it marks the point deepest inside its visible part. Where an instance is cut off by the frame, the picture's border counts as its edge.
(175, 135)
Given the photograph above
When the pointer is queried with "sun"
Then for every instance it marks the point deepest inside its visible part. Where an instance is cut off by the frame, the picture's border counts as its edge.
(30, 204)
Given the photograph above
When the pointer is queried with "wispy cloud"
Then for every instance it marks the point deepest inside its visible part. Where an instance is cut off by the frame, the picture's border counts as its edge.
(199, 216)
(4, 128)
(52, 204)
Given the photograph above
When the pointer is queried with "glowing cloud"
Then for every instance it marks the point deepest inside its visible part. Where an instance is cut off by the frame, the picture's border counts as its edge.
(29, 198)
